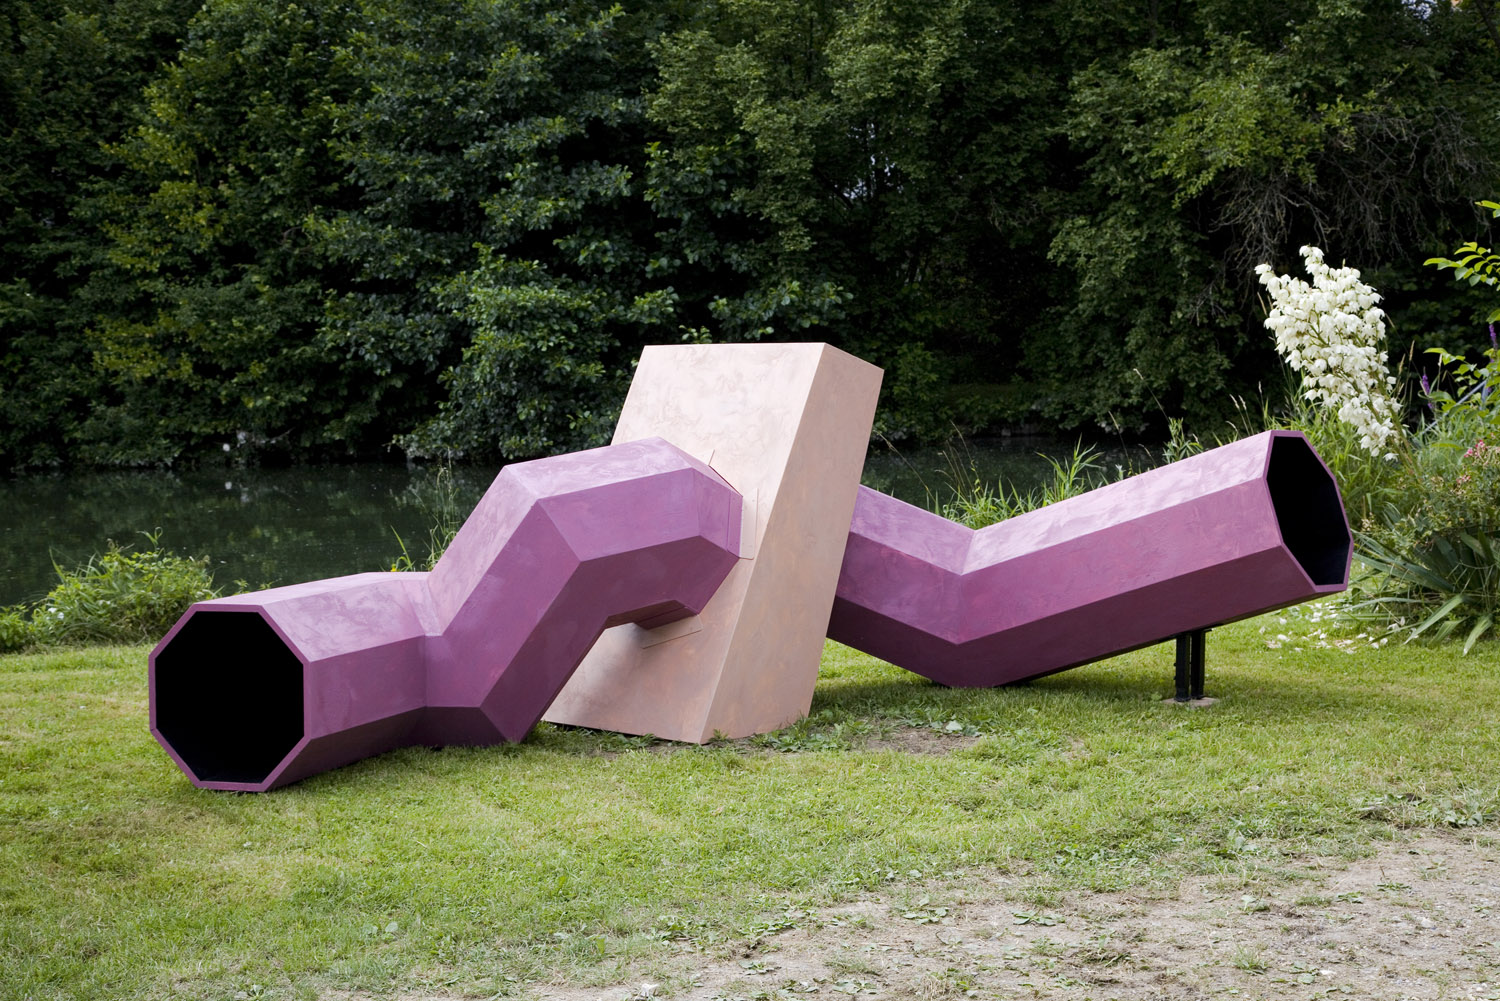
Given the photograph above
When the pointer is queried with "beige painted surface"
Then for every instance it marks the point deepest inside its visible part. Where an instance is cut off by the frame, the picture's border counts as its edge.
(787, 426)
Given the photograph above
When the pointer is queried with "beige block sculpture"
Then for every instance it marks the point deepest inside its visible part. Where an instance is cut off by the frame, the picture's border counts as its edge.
(787, 426)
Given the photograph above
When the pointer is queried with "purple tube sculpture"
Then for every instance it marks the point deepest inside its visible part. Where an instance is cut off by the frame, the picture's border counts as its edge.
(1223, 535)
(258, 690)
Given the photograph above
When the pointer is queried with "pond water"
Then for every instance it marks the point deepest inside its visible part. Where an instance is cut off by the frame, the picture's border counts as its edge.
(282, 526)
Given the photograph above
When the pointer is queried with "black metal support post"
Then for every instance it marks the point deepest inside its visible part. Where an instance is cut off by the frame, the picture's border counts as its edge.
(1184, 654)
(1191, 651)
(1200, 645)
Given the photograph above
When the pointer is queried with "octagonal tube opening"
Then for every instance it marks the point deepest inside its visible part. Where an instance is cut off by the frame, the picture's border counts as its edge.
(1309, 512)
(228, 696)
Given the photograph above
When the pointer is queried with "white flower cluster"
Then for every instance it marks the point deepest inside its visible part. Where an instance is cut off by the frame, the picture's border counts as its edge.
(1333, 334)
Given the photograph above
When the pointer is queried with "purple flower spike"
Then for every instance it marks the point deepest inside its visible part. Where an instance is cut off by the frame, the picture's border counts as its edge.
(1492, 336)
(1426, 385)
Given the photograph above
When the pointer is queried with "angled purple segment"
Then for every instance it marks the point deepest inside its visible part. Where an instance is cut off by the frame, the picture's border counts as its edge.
(905, 565)
(1223, 535)
(257, 690)
(634, 532)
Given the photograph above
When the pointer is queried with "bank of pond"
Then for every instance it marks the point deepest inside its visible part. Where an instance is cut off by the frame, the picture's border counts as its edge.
(270, 526)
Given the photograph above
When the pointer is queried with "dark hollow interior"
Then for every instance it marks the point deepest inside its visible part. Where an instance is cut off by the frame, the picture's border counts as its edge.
(1308, 510)
(229, 696)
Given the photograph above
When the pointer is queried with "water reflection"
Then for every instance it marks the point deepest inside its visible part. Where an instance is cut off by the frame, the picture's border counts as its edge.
(273, 526)
(281, 526)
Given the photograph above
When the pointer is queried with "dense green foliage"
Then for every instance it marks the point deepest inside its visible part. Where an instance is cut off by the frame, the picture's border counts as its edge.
(119, 596)
(1475, 264)
(315, 229)
(1425, 501)
(70, 82)
(1435, 550)
(218, 338)
(1246, 137)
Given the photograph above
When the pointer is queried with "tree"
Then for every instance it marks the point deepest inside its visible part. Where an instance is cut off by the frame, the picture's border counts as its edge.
(70, 82)
(452, 224)
(1068, 198)
(220, 343)
(885, 164)
(358, 221)
(1242, 132)
(500, 238)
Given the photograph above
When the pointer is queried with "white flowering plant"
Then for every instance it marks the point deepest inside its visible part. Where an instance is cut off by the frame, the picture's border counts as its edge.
(1429, 524)
(1332, 333)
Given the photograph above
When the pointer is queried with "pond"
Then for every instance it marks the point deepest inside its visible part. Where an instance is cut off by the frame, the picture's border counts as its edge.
(281, 526)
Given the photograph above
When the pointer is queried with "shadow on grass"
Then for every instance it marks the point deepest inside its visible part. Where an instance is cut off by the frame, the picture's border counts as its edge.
(875, 694)
(1096, 692)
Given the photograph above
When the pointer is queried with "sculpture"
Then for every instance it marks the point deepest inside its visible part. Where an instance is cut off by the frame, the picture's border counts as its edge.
(257, 690)
(787, 425)
(708, 559)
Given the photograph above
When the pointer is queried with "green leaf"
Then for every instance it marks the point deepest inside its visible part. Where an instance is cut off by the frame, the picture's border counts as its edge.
(1440, 616)
(1480, 628)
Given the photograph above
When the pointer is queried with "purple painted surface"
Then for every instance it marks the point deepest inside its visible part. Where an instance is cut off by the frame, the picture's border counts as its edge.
(1222, 535)
(257, 690)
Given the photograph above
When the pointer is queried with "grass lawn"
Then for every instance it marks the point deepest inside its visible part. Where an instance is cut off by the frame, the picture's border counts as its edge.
(578, 856)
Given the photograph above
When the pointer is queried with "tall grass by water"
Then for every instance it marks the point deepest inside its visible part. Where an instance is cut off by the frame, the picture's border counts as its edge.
(122, 595)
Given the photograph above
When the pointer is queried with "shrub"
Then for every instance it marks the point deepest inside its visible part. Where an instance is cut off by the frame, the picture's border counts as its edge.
(121, 597)
(1435, 557)
(1463, 494)
(1475, 264)
(1427, 502)
(1440, 585)
(15, 629)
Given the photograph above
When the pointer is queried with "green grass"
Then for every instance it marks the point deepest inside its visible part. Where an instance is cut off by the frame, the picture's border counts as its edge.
(576, 855)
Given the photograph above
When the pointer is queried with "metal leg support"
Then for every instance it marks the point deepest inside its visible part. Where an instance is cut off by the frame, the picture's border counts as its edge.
(1184, 655)
(1191, 649)
(1200, 644)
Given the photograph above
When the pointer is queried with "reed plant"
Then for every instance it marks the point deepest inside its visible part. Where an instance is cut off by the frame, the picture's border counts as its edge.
(438, 498)
(977, 503)
(118, 596)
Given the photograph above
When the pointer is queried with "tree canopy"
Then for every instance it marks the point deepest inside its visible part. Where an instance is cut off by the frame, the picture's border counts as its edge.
(316, 229)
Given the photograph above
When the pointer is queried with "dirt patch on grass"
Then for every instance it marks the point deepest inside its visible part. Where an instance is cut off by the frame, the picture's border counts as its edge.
(1417, 920)
(919, 740)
